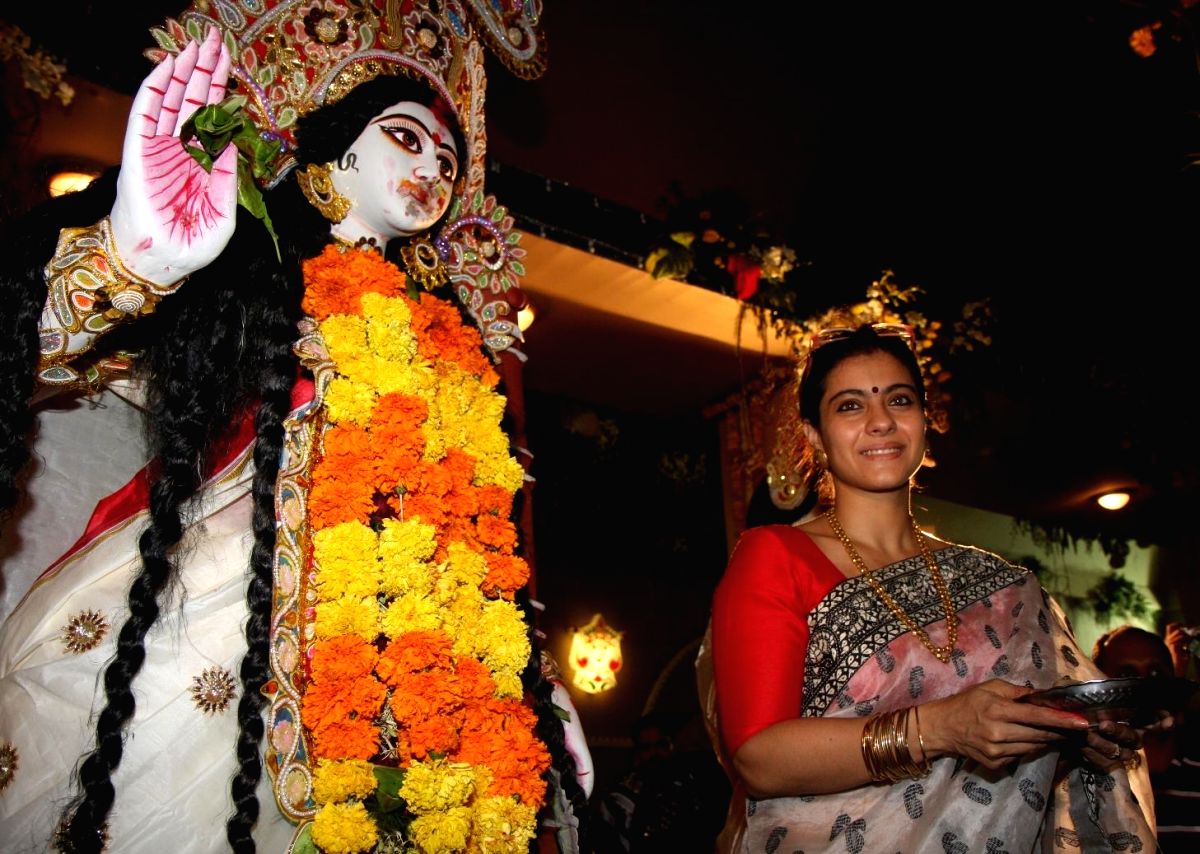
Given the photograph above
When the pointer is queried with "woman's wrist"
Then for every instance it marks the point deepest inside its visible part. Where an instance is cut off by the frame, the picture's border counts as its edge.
(930, 739)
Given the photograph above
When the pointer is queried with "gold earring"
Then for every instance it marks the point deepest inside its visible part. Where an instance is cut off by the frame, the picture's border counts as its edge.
(317, 185)
(424, 264)
(821, 458)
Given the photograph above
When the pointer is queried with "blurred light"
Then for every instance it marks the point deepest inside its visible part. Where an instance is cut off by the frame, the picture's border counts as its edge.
(596, 656)
(70, 182)
(525, 317)
(1113, 500)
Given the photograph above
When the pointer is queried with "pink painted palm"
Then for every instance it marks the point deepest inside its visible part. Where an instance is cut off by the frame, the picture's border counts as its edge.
(171, 217)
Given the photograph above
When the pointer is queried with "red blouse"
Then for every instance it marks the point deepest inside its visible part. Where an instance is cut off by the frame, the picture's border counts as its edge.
(775, 577)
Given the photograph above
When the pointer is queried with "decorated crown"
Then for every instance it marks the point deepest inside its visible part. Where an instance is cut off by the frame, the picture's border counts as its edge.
(292, 56)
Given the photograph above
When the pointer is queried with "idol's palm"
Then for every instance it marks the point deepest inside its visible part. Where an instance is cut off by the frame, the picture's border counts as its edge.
(171, 217)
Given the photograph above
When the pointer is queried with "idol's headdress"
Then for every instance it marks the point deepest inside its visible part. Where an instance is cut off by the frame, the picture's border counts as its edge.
(291, 57)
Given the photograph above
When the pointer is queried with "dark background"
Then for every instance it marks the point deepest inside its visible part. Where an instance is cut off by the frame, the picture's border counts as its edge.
(1020, 152)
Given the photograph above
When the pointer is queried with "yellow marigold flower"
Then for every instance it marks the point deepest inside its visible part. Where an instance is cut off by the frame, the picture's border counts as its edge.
(411, 612)
(393, 377)
(442, 831)
(508, 684)
(498, 639)
(344, 829)
(502, 825)
(348, 617)
(499, 470)
(389, 327)
(346, 555)
(459, 616)
(406, 540)
(346, 400)
(346, 338)
(465, 567)
(342, 780)
(411, 577)
(437, 786)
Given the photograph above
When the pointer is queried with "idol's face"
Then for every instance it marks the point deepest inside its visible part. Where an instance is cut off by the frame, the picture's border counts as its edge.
(398, 174)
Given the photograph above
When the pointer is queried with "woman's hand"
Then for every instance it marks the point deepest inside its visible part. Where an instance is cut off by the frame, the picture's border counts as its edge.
(987, 724)
(171, 217)
(1112, 744)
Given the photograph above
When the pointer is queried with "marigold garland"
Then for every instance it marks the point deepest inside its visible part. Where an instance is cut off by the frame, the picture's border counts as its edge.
(416, 647)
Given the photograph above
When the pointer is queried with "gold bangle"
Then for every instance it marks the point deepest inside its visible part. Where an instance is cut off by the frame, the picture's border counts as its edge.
(925, 765)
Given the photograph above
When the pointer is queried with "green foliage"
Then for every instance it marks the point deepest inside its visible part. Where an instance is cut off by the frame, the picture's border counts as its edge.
(1118, 597)
(217, 126)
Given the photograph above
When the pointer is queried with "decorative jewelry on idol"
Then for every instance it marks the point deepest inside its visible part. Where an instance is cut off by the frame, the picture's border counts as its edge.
(90, 291)
(941, 653)
(422, 262)
(316, 183)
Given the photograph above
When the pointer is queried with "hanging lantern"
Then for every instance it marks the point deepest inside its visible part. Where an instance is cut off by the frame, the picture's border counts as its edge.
(596, 656)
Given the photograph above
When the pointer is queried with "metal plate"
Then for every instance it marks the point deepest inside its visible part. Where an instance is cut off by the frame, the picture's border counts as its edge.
(1131, 700)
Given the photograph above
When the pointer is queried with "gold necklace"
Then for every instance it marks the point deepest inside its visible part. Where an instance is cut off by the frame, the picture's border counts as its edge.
(941, 653)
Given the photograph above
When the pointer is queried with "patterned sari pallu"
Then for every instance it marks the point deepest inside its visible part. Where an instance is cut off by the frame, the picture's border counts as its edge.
(861, 661)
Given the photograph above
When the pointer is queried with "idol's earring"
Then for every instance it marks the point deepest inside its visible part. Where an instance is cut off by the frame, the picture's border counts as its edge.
(317, 185)
(424, 264)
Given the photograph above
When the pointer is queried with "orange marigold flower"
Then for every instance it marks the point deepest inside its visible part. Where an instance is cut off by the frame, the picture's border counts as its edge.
(399, 412)
(495, 501)
(475, 681)
(506, 575)
(428, 508)
(335, 281)
(460, 465)
(499, 734)
(462, 501)
(356, 738)
(344, 657)
(443, 337)
(333, 501)
(327, 703)
(425, 735)
(498, 533)
(433, 479)
(413, 652)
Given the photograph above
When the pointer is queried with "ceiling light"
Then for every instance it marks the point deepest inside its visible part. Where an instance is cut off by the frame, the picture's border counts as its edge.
(70, 182)
(1113, 500)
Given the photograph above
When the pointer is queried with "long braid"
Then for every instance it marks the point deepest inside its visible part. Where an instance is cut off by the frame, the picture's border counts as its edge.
(278, 373)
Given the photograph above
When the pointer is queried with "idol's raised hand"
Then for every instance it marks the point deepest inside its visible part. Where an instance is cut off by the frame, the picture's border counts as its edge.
(171, 217)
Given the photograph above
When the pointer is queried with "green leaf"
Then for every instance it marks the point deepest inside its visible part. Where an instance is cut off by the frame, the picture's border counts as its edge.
(387, 795)
(303, 843)
(215, 127)
(561, 713)
(251, 198)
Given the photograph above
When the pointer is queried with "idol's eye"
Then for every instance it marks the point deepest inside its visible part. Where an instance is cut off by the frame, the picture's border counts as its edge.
(406, 136)
(447, 168)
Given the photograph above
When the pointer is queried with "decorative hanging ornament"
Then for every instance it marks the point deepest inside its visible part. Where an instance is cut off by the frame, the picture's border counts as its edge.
(596, 656)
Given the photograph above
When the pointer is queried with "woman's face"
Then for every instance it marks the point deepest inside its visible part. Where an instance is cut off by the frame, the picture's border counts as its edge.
(398, 174)
(872, 424)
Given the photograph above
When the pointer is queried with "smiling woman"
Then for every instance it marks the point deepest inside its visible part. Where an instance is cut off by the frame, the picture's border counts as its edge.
(882, 656)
